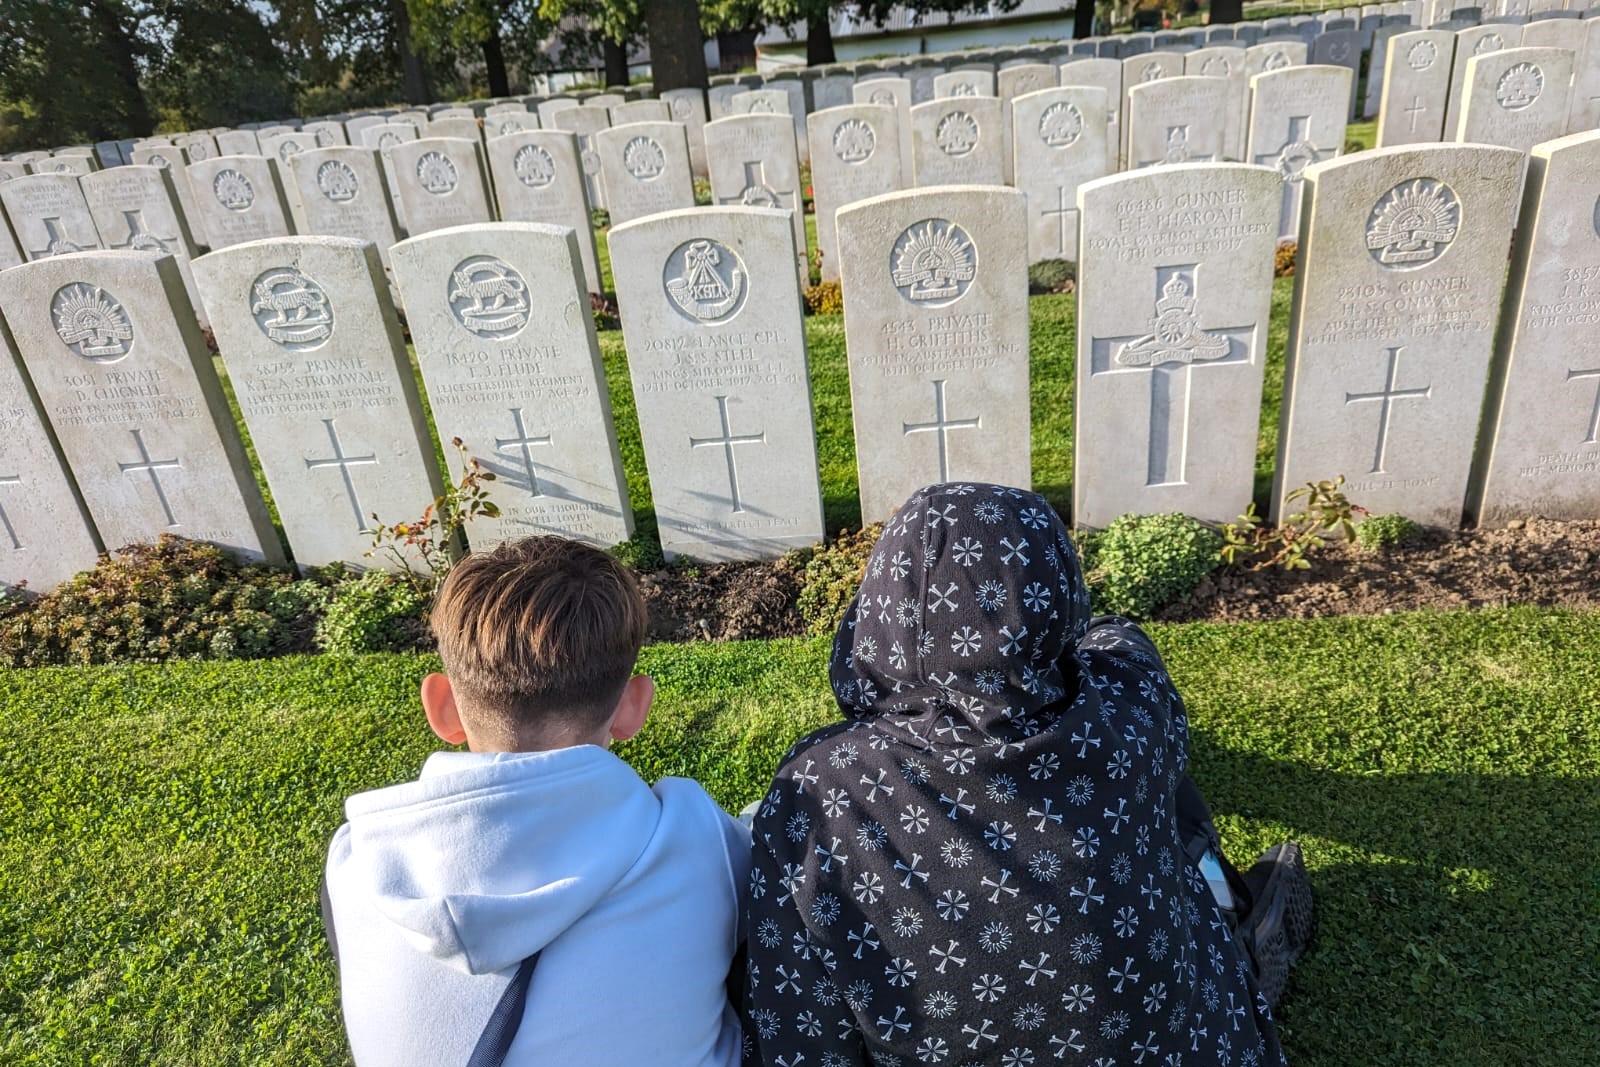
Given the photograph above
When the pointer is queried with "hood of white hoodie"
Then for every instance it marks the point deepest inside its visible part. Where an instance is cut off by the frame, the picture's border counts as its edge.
(488, 857)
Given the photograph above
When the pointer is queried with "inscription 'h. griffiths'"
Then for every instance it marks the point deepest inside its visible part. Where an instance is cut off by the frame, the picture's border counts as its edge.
(954, 342)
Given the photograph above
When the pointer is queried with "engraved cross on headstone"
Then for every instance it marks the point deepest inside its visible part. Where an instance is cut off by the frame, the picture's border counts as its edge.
(524, 443)
(5, 520)
(1175, 149)
(1060, 211)
(1176, 346)
(1416, 109)
(756, 191)
(149, 466)
(344, 463)
(942, 427)
(55, 242)
(727, 442)
(139, 238)
(1385, 398)
(1594, 414)
(1290, 158)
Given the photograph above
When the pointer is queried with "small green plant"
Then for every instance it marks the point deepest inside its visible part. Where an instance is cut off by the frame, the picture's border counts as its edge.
(599, 218)
(702, 192)
(423, 551)
(641, 553)
(1323, 508)
(1141, 563)
(1052, 276)
(374, 612)
(824, 298)
(830, 576)
(605, 312)
(1382, 532)
(1284, 259)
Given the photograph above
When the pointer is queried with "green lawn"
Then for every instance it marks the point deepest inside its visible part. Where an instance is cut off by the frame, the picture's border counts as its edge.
(162, 829)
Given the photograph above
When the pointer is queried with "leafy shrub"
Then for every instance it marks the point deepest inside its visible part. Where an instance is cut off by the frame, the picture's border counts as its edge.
(1324, 508)
(1284, 260)
(373, 612)
(606, 316)
(825, 298)
(174, 599)
(1383, 532)
(1052, 276)
(423, 551)
(641, 553)
(599, 218)
(702, 192)
(1141, 563)
(830, 576)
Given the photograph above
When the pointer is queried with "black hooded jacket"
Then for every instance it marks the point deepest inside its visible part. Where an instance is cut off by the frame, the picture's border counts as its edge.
(981, 865)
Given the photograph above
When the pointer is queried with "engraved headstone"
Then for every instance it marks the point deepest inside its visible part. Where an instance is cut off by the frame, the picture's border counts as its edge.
(238, 199)
(343, 193)
(1297, 118)
(1341, 48)
(1583, 113)
(1177, 120)
(963, 83)
(1174, 294)
(1541, 432)
(641, 111)
(1025, 77)
(754, 164)
(135, 208)
(45, 533)
(1059, 142)
(198, 146)
(1548, 33)
(327, 133)
(1416, 88)
(505, 339)
(1516, 97)
(1221, 61)
(855, 154)
(538, 178)
(585, 121)
(795, 90)
(759, 102)
(1474, 41)
(717, 350)
(1143, 69)
(66, 163)
(467, 129)
(123, 374)
(936, 328)
(688, 106)
(1377, 62)
(1394, 324)
(313, 348)
(645, 166)
(832, 90)
(1104, 74)
(547, 109)
(895, 93)
(442, 182)
(509, 122)
(956, 140)
(719, 99)
(238, 143)
(175, 161)
(49, 215)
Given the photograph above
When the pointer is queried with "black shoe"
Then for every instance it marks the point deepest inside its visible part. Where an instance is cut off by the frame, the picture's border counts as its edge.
(1280, 925)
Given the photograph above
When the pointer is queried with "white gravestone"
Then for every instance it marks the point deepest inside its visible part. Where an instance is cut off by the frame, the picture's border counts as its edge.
(719, 99)
(1377, 64)
(238, 143)
(688, 106)
(1176, 120)
(956, 140)
(1297, 118)
(641, 111)
(754, 164)
(509, 122)
(547, 109)
(855, 154)
(69, 163)
(936, 326)
(503, 333)
(343, 193)
(538, 178)
(312, 346)
(795, 90)
(1174, 294)
(49, 215)
(1341, 48)
(1012, 82)
(385, 135)
(238, 199)
(45, 533)
(1104, 74)
(605, 100)
(442, 183)
(585, 121)
(1548, 33)
(1394, 323)
(1584, 113)
(759, 102)
(175, 161)
(717, 349)
(832, 90)
(465, 128)
(1059, 140)
(1416, 88)
(124, 376)
(1541, 432)
(1225, 61)
(136, 209)
(964, 83)
(645, 167)
(1475, 41)
(1143, 70)
(327, 133)
(895, 93)
(1517, 97)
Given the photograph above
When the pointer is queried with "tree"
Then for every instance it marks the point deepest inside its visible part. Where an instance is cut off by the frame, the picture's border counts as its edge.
(605, 29)
(69, 72)
(440, 28)
(677, 45)
(1083, 19)
(818, 16)
(1226, 11)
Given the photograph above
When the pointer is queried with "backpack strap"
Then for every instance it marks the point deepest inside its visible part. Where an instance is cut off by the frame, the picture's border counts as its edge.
(501, 1029)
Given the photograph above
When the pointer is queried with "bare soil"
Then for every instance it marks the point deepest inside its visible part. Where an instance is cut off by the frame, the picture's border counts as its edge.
(1532, 562)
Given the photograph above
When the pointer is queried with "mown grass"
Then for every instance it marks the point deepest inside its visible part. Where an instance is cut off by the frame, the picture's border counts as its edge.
(162, 829)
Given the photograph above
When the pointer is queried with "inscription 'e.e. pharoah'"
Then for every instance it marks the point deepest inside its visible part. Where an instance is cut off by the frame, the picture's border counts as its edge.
(91, 322)
(489, 298)
(1413, 223)
(705, 280)
(291, 309)
(933, 262)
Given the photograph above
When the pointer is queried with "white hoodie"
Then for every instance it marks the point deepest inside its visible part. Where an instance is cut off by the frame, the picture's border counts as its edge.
(440, 887)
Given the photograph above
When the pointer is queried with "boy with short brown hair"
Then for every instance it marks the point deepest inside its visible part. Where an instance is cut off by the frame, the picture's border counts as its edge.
(537, 844)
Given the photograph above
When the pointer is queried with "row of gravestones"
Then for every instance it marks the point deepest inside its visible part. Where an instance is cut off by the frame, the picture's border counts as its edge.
(122, 430)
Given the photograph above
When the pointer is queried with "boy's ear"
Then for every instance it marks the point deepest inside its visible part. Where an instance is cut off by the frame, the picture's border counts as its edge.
(439, 703)
(632, 708)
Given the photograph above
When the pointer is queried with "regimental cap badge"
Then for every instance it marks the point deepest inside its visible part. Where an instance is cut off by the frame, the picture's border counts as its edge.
(233, 190)
(1413, 223)
(1175, 335)
(489, 298)
(705, 280)
(291, 309)
(854, 141)
(337, 181)
(644, 158)
(91, 322)
(933, 262)
(1061, 124)
(1519, 86)
(534, 166)
(436, 173)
